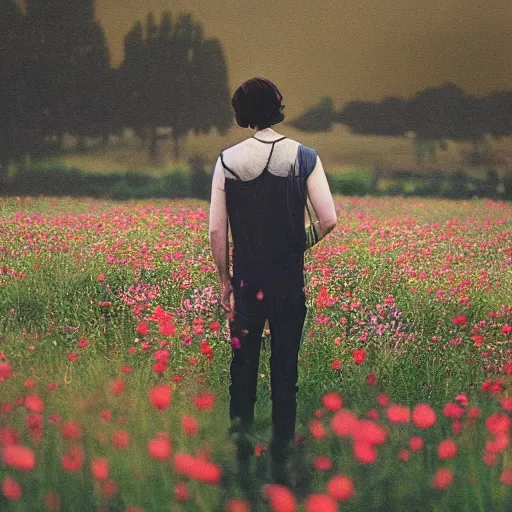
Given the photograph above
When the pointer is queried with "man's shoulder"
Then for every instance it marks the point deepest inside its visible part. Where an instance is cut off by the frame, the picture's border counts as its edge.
(234, 147)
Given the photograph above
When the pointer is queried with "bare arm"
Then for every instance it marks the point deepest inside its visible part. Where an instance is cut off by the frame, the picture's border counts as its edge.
(218, 226)
(323, 204)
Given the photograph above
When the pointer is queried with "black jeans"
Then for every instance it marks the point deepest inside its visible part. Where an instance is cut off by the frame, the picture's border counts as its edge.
(285, 308)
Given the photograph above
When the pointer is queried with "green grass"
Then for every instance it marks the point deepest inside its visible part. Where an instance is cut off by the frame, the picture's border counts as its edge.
(435, 258)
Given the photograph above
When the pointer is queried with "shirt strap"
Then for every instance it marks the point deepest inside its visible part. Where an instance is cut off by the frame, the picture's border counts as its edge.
(228, 169)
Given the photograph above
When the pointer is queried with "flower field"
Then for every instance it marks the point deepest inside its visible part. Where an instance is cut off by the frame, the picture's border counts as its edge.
(115, 353)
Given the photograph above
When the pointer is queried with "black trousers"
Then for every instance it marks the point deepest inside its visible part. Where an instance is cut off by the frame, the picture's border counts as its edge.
(285, 308)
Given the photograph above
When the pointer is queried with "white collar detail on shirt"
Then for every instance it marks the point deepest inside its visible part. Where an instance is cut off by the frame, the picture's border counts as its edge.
(267, 134)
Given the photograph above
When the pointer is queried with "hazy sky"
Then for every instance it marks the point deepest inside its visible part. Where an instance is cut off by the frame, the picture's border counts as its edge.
(348, 49)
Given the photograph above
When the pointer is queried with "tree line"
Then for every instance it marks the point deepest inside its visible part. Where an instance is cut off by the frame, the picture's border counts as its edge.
(446, 112)
(56, 79)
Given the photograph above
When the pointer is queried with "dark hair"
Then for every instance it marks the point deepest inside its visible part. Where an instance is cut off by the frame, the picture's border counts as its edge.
(257, 102)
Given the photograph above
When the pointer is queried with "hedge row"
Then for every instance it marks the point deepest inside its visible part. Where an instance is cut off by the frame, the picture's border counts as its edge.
(63, 181)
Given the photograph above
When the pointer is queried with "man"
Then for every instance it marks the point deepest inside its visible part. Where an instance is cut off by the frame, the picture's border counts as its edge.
(259, 186)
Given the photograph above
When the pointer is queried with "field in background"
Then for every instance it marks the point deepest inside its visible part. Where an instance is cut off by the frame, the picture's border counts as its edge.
(339, 150)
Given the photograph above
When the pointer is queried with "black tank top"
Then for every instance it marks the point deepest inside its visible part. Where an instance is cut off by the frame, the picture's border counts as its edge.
(266, 215)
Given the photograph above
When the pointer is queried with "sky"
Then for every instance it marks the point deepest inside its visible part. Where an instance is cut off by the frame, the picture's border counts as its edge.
(346, 49)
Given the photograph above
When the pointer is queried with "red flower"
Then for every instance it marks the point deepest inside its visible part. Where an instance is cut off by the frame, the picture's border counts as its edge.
(73, 459)
(117, 386)
(373, 414)
(332, 401)
(498, 423)
(120, 439)
(359, 355)
(442, 479)
(198, 469)
(160, 396)
(446, 449)
(398, 413)
(19, 457)
(70, 430)
(403, 455)
(456, 427)
(142, 328)
(34, 403)
(214, 326)
(489, 458)
(106, 415)
(368, 431)
(11, 489)
(83, 343)
(478, 339)
(320, 503)
(343, 423)
(506, 477)
(499, 444)
(237, 505)
(336, 364)
(423, 416)
(383, 400)
(506, 329)
(506, 403)
(204, 400)
(486, 386)
(280, 498)
(371, 379)
(452, 410)
(190, 425)
(474, 412)
(160, 367)
(340, 487)
(323, 463)
(167, 329)
(317, 430)
(364, 452)
(160, 447)
(459, 320)
(5, 371)
(181, 491)
(99, 468)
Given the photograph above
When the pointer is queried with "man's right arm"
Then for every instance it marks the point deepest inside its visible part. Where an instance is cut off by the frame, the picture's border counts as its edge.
(323, 204)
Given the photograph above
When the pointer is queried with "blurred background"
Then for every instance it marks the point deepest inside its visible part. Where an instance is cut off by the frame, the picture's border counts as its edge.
(132, 99)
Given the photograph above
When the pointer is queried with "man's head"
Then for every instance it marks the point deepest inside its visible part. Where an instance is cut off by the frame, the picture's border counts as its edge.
(257, 102)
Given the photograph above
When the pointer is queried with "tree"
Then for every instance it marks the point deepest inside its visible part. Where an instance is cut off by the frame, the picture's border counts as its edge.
(387, 117)
(69, 68)
(318, 118)
(173, 79)
(12, 59)
(209, 85)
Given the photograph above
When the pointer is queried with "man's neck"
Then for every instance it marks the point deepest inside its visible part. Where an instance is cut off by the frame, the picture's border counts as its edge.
(267, 134)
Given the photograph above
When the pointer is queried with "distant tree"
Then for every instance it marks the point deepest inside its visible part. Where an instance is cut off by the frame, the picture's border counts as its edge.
(435, 115)
(87, 96)
(387, 117)
(12, 59)
(69, 69)
(211, 107)
(173, 79)
(499, 104)
(318, 118)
